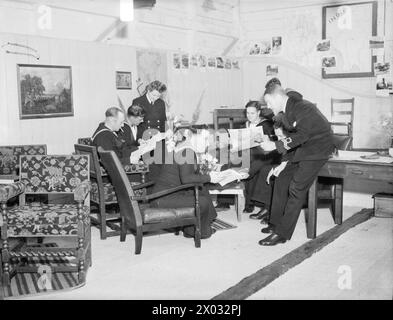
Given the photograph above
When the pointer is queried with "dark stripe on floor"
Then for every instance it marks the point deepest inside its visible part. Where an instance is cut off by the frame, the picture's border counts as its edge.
(266, 275)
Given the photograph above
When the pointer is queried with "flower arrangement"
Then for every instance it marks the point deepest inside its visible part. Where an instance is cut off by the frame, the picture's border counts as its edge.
(386, 123)
(207, 163)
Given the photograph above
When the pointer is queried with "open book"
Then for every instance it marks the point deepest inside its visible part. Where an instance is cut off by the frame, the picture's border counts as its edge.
(242, 139)
(149, 145)
(227, 176)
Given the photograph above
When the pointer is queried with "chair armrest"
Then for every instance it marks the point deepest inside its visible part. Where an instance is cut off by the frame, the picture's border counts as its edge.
(168, 191)
(8, 191)
(136, 168)
(143, 185)
(81, 191)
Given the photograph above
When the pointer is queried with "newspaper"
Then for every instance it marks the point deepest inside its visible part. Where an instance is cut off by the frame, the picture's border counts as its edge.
(148, 145)
(227, 176)
(242, 139)
(362, 156)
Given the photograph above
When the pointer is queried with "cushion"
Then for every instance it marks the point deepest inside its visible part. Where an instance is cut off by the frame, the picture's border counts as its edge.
(45, 219)
(109, 192)
(155, 215)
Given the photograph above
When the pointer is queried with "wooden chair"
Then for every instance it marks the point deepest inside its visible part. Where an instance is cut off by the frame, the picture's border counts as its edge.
(238, 117)
(85, 141)
(342, 114)
(49, 174)
(9, 157)
(138, 217)
(103, 194)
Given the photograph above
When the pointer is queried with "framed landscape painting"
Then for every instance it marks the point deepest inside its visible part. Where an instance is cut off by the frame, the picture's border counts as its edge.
(44, 91)
(349, 28)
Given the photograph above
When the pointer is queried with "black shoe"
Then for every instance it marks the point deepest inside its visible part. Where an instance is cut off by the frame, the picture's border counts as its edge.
(265, 220)
(268, 229)
(272, 240)
(260, 215)
(248, 209)
(186, 235)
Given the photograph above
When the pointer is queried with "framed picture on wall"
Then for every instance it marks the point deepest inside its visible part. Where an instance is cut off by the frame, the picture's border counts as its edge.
(123, 80)
(350, 27)
(44, 91)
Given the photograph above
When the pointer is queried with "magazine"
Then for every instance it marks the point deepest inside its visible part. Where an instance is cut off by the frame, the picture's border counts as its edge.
(242, 139)
(228, 176)
(148, 145)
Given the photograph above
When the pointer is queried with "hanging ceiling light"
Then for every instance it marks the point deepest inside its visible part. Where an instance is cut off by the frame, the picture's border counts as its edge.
(126, 10)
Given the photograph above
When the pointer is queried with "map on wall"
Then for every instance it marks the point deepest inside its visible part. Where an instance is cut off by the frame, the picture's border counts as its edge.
(302, 34)
(151, 65)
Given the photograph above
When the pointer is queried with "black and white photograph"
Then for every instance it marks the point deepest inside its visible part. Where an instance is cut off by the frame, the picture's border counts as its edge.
(195, 159)
(266, 47)
(176, 60)
(271, 70)
(276, 45)
(323, 45)
(381, 68)
(44, 91)
(255, 49)
(329, 62)
(123, 80)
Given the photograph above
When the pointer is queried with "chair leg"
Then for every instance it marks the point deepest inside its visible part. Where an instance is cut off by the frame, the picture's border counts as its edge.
(138, 240)
(197, 236)
(338, 203)
(81, 271)
(102, 220)
(123, 230)
(312, 211)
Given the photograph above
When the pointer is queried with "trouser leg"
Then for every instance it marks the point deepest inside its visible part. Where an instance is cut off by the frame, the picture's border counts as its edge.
(303, 177)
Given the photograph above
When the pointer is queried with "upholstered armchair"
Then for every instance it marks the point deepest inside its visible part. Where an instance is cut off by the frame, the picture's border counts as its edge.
(47, 174)
(103, 194)
(9, 157)
(136, 214)
(85, 141)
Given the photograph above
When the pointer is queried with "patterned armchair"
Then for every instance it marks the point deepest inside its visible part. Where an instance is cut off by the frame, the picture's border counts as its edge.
(46, 174)
(103, 194)
(9, 157)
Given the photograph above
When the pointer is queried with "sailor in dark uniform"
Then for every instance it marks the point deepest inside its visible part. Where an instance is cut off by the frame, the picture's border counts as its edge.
(154, 121)
(106, 134)
(312, 139)
(131, 132)
(154, 107)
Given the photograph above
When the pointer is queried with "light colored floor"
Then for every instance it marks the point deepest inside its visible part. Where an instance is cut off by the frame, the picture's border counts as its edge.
(171, 267)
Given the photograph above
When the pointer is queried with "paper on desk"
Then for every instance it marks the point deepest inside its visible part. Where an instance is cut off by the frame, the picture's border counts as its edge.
(242, 139)
(228, 176)
(148, 145)
(357, 156)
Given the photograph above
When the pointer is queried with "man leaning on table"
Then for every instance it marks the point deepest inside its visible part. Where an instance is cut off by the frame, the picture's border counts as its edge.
(312, 144)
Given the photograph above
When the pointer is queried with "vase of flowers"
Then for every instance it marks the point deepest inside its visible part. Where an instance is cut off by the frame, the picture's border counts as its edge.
(207, 163)
(386, 124)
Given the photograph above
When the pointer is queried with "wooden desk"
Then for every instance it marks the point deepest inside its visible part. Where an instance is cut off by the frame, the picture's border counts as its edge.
(343, 169)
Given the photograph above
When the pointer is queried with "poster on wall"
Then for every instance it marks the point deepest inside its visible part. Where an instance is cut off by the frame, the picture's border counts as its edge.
(272, 70)
(384, 84)
(185, 61)
(123, 80)
(235, 64)
(176, 61)
(151, 65)
(44, 91)
(266, 47)
(323, 45)
(194, 61)
(350, 27)
(211, 62)
(220, 62)
(202, 61)
(255, 49)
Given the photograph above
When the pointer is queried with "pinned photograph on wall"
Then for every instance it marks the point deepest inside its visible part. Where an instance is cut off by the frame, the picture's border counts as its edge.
(235, 64)
(271, 70)
(276, 45)
(220, 62)
(255, 48)
(383, 85)
(211, 62)
(176, 61)
(328, 62)
(266, 47)
(377, 42)
(381, 68)
(185, 61)
(194, 61)
(228, 63)
(323, 45)
(202, 61)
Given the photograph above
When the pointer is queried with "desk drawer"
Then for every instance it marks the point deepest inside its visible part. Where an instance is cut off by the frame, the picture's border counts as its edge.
(384, 173)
